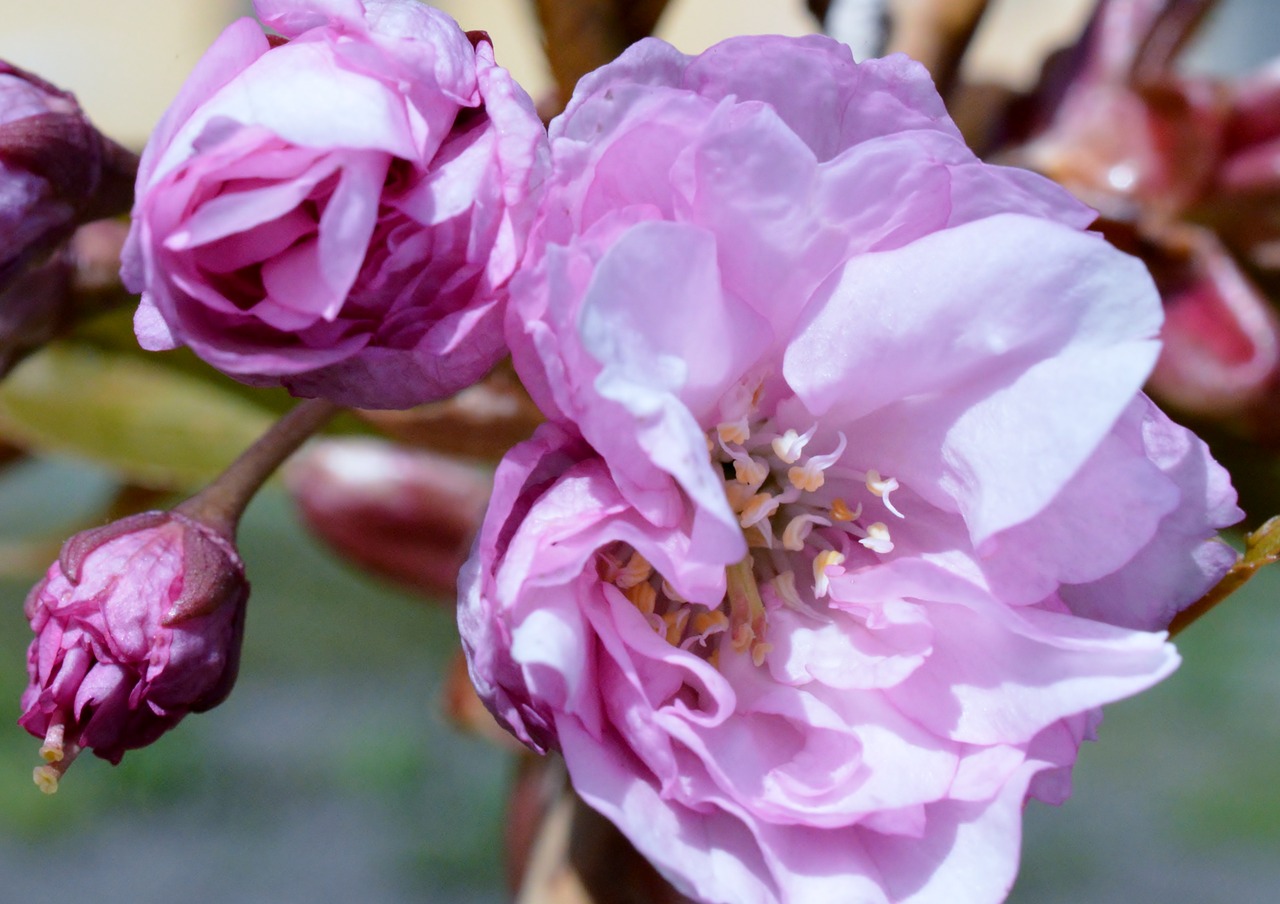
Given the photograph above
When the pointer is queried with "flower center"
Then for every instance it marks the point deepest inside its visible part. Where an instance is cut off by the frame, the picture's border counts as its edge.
(789, 491)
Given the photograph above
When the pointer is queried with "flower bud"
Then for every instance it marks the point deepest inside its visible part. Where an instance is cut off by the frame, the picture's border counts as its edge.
(138, 623)
(403, 514)
(56, 170)
(78, 281)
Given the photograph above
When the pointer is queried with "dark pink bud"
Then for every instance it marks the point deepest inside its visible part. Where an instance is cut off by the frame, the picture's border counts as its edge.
(56, 170)
(78, 281)
(402, 513)
(138, 623)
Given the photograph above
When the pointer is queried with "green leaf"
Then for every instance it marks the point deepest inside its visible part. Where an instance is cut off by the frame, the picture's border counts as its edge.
(153, 425)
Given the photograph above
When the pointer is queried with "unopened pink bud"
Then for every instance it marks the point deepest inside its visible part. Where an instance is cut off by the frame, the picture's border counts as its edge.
(402, 513)
(56, 171)
(78, 281)
(138, 623)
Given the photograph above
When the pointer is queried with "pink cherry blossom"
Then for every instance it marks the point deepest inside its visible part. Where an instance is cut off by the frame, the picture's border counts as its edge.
(338, 210)
(850, 513)
(137, 624)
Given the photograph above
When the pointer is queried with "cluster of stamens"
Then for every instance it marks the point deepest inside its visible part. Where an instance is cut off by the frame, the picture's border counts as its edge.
(794, 519)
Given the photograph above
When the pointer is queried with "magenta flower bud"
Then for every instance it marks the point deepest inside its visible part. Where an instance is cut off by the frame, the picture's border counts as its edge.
(138, 623)
(56, 170)
(77, 281)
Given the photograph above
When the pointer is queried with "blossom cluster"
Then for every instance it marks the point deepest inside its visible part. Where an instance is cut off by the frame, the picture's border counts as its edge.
(848, 513)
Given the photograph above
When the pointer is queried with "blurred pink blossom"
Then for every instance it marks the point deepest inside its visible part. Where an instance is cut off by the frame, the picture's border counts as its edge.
(137, 624)
(338, 211)
(404, 514)
(1184, 171)
(850, 513)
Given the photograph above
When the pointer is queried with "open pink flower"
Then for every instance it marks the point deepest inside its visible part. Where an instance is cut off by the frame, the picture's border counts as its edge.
(851, 512)
(338, 212)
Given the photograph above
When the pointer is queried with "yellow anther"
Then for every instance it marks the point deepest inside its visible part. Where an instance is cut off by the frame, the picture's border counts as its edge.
(758, 507)
(750, 471)
(636, 571)
(798, 529)
(784, 584)
(881, 487)
(734, 431)
(643, 597)
(709, 622)
(759, 651)
(790, 446)
(675, 622)
(46, 778)
(840, 510)
(804, 477)
(877, 538)
(821, 562)
(739, 495)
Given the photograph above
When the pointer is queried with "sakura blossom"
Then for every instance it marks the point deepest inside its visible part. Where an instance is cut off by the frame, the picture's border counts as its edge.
(337, 208)
(850, 513)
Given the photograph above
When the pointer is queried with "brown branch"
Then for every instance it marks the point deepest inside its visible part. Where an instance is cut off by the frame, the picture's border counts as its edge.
(935, 32)
(1262, 547)
(582, 35)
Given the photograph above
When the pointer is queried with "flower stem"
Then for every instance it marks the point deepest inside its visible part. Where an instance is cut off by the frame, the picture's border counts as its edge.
(1262, 547)
(221, 503)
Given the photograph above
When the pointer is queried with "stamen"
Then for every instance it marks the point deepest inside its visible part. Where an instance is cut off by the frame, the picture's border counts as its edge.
(51, 751)
(784, 584)
(675, 622)
(758, 507)
(804, 477)
(750, 471)
(877, 538)
(797, 531)
(636, 571)
(882, 487)
(840, 511)
(643, 597)
(46, 778)
(734, 431)
(704, 625)
(738, 495)
(759, 535)
(809, 476)
(790, 446)
(828, 558)
(746, 610)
